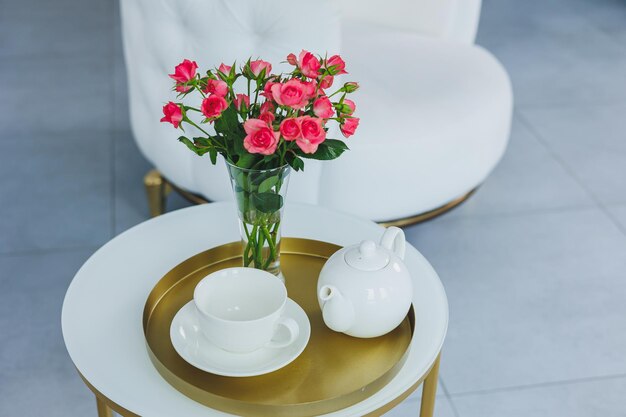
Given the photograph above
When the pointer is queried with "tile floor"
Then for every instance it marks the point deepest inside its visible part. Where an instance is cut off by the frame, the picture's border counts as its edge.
(534, 264)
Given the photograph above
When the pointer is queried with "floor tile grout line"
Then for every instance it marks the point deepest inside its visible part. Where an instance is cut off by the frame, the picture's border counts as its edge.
(446, 394)
(522, 213)
(35, 252)
(521, 107)
(531, 128)
(608, 35)
(538, 385)
(570, 172)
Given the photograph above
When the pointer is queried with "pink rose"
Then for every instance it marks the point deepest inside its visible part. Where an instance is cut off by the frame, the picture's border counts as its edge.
(349, 126)
(267, 117)
(213, 106)
(310, 89)
(350, 104)
(336, 65)
(327, 81)
(224, 69)
(267, 90)
(309, 64)
(172, 114)
(259, 65)
(322, 107)
(290, 129)
(267, 106)
(217, 87)
(182, 88)
(313, 134)
(260, 137)
(291, 58)
(242, 100)
(293, 94)
(185, 71)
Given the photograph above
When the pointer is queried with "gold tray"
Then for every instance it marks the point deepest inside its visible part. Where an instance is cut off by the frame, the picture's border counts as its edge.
(334, 371)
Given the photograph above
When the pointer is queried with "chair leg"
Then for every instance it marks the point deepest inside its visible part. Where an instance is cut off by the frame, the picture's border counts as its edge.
(103, 409)
(157, 189)
(429, 392)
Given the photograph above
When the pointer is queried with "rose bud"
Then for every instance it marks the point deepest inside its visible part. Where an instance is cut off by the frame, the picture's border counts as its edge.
(336, 65)
(350, 87)
(242, 102)
(217, 87)
(172, 114)
(291, 58)
(309, 64)
(349, 126)
(351, 105)
(267, 117)
(327, 81)
(322, 107)
(224, 69)
(256, 67)
(185, 71)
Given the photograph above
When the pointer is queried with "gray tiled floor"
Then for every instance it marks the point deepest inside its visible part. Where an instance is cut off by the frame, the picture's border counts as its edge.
(550, 286)
(534, 264)
(593, 149)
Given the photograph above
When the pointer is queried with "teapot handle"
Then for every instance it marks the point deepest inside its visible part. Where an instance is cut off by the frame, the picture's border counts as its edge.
(393, 240)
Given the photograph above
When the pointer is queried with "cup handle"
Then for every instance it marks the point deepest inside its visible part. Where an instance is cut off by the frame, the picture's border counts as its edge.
(292, 327)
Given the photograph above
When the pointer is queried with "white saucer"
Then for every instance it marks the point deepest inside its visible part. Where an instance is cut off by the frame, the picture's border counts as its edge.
(197, 350)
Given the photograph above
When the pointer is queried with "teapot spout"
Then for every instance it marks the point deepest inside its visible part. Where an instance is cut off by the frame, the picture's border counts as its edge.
(337, 310)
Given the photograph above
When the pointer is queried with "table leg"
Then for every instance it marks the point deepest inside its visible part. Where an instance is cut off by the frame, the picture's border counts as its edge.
(430, 390)
(157, 189)
(103, 409)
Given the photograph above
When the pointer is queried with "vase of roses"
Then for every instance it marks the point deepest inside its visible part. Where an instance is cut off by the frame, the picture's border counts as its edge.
(264, 125)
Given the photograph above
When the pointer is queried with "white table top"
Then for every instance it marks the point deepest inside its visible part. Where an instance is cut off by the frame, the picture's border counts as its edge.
(103, 307)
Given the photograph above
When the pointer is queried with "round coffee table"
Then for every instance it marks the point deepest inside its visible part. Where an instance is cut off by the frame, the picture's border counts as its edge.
(103, 309)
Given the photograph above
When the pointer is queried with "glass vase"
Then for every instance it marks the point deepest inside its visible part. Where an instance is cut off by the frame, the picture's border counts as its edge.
(260, 199)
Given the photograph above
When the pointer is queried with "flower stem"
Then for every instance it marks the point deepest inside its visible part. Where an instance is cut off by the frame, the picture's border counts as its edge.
(191, 122)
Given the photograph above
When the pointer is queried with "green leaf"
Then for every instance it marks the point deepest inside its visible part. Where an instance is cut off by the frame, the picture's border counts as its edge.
(197, 150)
(267, 202)
(236, 144)
(268, 183)
(336, 144)
(228, 123)
(213, 155)
(246, 160)
(327, 150)
(200, 141)
(296, 163)
(242, 199)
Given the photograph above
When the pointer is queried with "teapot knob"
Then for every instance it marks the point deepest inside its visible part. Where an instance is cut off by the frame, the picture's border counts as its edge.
(367, 248)
(393, 240)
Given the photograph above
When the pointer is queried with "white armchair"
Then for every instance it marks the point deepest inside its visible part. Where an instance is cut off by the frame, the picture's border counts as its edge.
(435, 109)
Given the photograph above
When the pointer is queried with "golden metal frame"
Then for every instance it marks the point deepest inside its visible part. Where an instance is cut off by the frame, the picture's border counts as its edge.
(157, 190)
(158, 187)
(106, 406)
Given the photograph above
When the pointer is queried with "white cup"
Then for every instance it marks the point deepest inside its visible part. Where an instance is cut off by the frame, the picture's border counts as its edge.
(241, 310)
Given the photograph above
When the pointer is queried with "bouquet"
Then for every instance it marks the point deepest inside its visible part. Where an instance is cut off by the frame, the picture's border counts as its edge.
(263, 124)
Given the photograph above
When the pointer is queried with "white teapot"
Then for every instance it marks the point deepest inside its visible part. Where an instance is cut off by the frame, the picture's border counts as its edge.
(365, 290)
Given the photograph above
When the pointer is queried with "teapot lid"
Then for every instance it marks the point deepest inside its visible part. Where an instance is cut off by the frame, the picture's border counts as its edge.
(367, 256)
